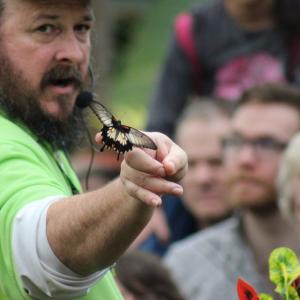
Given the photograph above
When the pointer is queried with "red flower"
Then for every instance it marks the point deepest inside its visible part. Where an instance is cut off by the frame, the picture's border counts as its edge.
(246, 291)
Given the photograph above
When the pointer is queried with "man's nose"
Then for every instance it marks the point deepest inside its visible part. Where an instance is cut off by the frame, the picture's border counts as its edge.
(246, 155)
(204, 173)
(70, 49)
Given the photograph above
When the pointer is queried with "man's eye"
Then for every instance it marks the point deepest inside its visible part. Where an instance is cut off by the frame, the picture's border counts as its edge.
(192, 164)
(267, 144)
(82, 28)
(216, 162)
(47, 28)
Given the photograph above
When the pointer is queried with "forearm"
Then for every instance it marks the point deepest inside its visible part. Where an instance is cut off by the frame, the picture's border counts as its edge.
(89, 232)
(105, 221)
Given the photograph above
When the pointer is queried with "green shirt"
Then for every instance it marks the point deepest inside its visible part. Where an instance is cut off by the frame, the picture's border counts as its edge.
(29, 172)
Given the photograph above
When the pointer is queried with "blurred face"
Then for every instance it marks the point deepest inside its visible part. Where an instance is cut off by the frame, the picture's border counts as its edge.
(45, 48)
(204, 182)
(252, 154)
(296, 196)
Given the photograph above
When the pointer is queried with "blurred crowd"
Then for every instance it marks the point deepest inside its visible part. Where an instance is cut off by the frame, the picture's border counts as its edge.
(229, 93)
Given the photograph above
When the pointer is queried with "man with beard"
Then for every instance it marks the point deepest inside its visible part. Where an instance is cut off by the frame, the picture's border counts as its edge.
(207, 265)
(57, 243)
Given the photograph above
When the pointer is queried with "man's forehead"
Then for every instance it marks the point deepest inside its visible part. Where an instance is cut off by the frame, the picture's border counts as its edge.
(51, 3)
(272, 119)
(57, 2)
(34, 8)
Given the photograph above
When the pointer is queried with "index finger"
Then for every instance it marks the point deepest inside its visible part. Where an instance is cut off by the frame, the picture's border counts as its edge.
(139, 160)
(173, 158)
(175, 163)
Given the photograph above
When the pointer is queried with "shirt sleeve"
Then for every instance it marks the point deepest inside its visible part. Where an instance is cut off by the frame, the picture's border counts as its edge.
(43, 275)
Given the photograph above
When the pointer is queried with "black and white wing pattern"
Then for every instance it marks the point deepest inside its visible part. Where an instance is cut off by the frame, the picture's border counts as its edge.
(117, 136)
(102, 113)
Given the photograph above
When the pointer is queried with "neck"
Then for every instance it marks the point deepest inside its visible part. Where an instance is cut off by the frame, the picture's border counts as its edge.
(254, 16)
(267, 231)
(203, 223)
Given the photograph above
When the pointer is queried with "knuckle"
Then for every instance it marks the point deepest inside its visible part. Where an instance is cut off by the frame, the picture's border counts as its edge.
(143, 181)
(131, 188)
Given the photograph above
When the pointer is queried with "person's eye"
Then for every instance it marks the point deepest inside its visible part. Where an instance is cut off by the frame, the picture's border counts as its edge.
(216, 162)
(83, 28)
(266, 143)
(233, 141)
(192, 164)
(46, 28)
(83, 32)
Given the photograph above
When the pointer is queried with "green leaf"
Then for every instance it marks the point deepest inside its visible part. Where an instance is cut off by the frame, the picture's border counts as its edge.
(265, 297)
(284, 269)
(295, 273)
(293, 295)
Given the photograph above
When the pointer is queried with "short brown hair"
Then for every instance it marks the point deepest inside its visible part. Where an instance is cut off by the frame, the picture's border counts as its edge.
(272, 93)
(203, 109)
(143, 274)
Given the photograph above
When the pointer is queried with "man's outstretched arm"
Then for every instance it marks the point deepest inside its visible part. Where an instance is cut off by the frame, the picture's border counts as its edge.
(88, 232)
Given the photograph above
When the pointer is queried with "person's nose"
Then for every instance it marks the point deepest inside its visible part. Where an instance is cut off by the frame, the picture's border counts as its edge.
(246, 155)
(70, 49)
(204, 174)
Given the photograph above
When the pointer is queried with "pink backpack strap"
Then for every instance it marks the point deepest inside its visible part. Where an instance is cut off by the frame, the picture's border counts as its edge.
(185, 38)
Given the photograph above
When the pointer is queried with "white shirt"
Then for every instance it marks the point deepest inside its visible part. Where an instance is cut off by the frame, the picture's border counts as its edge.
(43, 275)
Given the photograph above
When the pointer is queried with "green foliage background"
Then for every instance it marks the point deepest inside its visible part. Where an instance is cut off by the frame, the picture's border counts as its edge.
(132, 89)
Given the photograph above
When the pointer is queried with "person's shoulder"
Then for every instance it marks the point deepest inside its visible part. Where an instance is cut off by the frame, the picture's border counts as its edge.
(10, 129)
(206, 17)
(16, 138)
(203, 253)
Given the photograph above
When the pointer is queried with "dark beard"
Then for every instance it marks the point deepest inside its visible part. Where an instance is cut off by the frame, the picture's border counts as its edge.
(21, 103)
(265, 209)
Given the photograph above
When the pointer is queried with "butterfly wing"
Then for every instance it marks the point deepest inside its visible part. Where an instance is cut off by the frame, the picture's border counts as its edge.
(117, 136)
(140, 139)
(102, 113)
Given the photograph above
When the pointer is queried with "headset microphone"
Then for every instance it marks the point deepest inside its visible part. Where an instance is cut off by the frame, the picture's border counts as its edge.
(84, 99)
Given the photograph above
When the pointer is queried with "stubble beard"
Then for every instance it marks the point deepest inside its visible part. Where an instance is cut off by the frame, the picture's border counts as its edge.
(260, 205)
(21, 102)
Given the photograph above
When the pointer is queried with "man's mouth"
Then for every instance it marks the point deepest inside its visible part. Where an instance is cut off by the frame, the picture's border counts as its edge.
(62, 79)
(63, 82)
(64, 85)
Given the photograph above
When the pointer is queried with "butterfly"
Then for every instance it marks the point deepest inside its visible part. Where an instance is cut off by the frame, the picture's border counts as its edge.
(115, 135)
